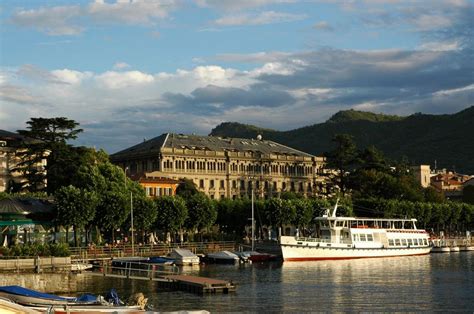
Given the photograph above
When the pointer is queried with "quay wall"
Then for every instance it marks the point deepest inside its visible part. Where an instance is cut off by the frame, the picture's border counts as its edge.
(36, 264)
(46, 282)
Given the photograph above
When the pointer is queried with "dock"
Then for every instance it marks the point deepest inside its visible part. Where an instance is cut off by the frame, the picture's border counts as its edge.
(195, 284)
(168, 278)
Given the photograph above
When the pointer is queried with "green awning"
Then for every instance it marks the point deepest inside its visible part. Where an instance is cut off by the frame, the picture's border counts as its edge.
(18, 222)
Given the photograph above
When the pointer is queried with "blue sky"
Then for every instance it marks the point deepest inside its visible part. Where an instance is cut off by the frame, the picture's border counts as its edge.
(129, 70)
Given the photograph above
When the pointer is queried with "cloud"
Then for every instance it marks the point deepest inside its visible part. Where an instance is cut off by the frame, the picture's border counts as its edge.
(238, 5)
(72, 20)
(281, 90)
(323, 26)
(58, 20)
(262, 18)
(121, 66)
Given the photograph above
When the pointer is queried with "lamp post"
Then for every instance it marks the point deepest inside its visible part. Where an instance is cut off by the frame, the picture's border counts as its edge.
(131, 212)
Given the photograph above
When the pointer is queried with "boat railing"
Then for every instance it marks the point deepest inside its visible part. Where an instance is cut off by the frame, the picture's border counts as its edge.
(321, 240)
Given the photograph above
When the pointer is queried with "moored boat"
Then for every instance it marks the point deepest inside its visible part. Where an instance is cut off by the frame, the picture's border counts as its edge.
(223, 257)
(440, 249)
(352, 237)
(184, 257)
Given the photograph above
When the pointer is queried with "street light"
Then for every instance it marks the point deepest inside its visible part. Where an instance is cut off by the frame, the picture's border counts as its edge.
(131, 211)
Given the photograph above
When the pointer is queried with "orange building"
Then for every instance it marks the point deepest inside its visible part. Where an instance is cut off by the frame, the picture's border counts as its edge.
(158, 186)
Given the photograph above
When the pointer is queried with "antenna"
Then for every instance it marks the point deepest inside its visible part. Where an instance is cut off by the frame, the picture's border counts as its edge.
(335, 208)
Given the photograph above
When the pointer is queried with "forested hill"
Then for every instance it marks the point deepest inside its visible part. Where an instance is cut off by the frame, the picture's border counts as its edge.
(422, 138)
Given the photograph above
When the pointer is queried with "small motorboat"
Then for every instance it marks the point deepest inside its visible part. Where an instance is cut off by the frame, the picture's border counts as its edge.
(184, 257)
(257, 257)
(51, 303)
(223, 257)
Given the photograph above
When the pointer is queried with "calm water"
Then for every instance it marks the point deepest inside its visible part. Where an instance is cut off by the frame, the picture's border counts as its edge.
(436, 282)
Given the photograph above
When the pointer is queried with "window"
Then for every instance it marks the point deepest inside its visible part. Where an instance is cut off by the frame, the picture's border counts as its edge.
(363, 237)
(370, 237)
(404, 242)
(211, 184)
(397, 242)
(234, 184)
(201, 184)
(390, 242)
(242, 184)
(275, 186)
(222, 184)
(355, 237)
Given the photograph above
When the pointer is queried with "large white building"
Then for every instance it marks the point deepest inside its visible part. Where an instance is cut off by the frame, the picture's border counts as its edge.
(225, 167)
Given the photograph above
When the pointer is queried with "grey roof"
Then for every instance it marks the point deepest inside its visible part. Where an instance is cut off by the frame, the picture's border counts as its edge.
(24, 206)
(15, 137)
(211, 143)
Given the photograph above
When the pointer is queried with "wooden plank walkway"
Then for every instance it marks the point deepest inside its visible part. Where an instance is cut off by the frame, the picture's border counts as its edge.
(197, 284)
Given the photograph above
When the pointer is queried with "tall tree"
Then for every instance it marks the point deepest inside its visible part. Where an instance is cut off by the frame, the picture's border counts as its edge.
(172, 213)
(202, 212)
(50, 136)
(342, 158)
(75, 207)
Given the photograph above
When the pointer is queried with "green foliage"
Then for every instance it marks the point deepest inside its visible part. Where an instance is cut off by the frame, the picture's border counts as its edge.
(202, 212)
(342, 159)
(36, 249)
(172, 213)
(144, 213)
(418, 137)
(186, 189)
(304, 212)
(468, 194)
(279, 212)
(74, 206)
(47, 137)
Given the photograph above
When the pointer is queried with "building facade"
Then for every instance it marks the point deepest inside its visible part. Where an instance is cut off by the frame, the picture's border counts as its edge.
(225, 167)
(10, 150)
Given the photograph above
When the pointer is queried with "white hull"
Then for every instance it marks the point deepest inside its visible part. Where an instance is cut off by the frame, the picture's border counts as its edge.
(301, 253)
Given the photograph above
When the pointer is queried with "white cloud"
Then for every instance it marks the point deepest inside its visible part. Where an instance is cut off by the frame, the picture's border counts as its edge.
(121, 66)
(323, 26)
(70, 76)
(71, 20)
(131, 12)
(114, 80)
(230, 5)
(440, 46)
(52, 21)
(266, 17)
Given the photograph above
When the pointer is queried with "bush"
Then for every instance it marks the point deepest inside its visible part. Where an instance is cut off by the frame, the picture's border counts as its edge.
(34, 249)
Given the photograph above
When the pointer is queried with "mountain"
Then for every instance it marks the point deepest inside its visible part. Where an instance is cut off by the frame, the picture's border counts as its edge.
(447, 139)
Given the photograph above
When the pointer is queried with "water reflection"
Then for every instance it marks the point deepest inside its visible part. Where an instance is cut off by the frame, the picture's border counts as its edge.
(426, 283)
(360, 285)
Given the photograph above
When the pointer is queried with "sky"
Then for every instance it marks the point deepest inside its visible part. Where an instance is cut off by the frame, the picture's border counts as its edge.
(129, 70)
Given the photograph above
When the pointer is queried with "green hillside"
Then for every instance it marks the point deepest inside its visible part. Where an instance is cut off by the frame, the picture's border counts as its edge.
(422, 138)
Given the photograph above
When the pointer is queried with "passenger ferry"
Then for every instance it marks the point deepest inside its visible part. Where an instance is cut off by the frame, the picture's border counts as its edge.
(351, 237)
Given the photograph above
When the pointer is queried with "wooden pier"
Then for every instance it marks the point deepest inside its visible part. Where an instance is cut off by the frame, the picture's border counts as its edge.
(200, 285)
(168, 278)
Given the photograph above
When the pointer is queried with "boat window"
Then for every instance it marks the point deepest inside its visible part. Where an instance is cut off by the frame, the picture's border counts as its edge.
(355, 237)
(420, 242)
(363, 237)
(411, 242)
(397, 242)
(370, 237)
(425, 242)
(390, 242)
(404, 242)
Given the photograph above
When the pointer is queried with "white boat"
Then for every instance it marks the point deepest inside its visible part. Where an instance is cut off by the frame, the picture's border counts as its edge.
(352, 237)
(467, 248)
(223, 257)
(454, 249)
(440, 249)
(184, 257)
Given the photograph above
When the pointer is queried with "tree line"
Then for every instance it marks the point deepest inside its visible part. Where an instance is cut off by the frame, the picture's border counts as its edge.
(93, 196)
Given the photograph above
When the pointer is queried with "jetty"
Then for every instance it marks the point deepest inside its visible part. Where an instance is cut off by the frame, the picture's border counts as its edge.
(168, 277)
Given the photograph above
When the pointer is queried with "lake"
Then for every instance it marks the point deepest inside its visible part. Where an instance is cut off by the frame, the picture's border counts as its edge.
(436, 282)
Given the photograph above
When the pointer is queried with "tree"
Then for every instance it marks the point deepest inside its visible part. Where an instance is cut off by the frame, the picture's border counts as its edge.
(280, 212)
(144, 214)
(468, 194)
(186, 188)
(202, 212)
(49, 135)
(75, 207)
(342, 158)
(172, 213)
(303, 213)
